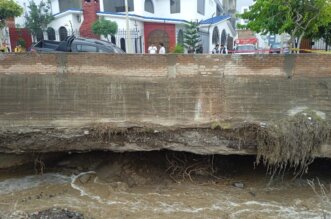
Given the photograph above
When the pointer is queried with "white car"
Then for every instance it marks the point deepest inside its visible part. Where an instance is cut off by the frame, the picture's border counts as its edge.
(246, 49)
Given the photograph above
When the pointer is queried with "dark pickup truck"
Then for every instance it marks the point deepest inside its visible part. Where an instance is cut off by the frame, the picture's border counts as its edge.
(76, 44)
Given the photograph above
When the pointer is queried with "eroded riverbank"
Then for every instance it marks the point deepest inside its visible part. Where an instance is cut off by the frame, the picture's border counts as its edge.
(161, 184)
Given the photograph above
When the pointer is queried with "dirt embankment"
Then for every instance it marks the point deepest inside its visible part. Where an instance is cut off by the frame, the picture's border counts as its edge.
(206, 139)
(289, 142)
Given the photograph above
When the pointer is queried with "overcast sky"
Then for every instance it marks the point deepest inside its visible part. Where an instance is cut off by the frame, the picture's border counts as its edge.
(241, 3)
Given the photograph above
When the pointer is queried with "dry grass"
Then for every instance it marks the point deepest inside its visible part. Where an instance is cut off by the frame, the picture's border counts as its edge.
(323, 194)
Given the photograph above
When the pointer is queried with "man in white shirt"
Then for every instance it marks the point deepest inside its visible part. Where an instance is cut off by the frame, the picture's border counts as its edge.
(162, 49)
(152, 49)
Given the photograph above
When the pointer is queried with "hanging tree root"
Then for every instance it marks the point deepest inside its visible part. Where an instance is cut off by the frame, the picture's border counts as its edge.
(291, 143)
(183, 167)
(39, 165)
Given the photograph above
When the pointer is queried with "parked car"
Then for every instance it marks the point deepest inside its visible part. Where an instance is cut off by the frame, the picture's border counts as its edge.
(275, 48)
(246, 49)
(76, 44)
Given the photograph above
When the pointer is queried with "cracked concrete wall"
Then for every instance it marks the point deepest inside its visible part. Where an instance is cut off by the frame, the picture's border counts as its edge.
(43, 92)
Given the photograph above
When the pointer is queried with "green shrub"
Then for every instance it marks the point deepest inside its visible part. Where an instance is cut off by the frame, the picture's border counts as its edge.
(178, 49)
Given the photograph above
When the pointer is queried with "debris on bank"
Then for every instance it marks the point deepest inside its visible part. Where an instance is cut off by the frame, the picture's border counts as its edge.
(291, 142)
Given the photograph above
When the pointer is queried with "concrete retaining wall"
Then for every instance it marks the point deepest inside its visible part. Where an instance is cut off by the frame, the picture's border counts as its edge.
(72, 91)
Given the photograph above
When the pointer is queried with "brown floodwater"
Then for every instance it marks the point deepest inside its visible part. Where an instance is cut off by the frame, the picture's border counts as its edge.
(139, 185)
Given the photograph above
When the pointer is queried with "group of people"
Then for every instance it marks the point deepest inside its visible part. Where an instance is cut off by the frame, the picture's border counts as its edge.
(19, 48)
(5, 48)
(152, 49)
(219, 50)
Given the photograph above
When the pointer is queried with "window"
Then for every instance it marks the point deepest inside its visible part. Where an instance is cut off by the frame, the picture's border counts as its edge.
(109, 50)
(174, 6)
(201, 7)
(250, 48)
(86, 48)
(216, 36)
(117, 5)
(72, 4)
(149, 7)
(63, 33)
(50, 33)
(223, 37)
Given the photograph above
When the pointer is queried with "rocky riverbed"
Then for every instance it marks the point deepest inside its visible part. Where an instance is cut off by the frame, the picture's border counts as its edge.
(161, 184)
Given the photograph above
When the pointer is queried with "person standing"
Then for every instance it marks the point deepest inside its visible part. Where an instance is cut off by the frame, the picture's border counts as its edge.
(216, 49)
(152, 49)
(223, 50)
(18, 48)
(4, 47)
(162, 49)
(199, 49)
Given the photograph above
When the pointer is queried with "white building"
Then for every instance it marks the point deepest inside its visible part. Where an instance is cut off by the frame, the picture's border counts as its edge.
(149, 21)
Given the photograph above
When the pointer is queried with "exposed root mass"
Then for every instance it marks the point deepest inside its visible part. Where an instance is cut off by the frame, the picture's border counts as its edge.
(183, 167)
(291, 143)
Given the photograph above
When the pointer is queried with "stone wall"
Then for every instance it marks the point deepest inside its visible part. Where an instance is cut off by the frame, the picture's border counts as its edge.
(43, 92)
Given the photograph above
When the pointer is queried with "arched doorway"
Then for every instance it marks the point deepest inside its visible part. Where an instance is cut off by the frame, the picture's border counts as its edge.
(63, 33)
(215, 36)
(122, 42)
(230, 42)
(223, 37)
(158, 36)
(180, 38)
(50, 33)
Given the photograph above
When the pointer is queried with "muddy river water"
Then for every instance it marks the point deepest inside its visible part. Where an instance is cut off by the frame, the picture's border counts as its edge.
(127, 186)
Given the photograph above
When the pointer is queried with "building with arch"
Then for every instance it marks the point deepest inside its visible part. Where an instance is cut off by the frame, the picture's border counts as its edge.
(150, 21)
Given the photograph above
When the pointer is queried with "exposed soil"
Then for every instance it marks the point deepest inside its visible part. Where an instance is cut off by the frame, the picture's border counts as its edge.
(202, 139)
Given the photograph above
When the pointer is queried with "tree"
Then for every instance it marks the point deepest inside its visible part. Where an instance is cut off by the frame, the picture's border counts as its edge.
(39, 17)
(8, 9)
(191, 36)
(323, 32)
(295, 17)
(103, 27)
